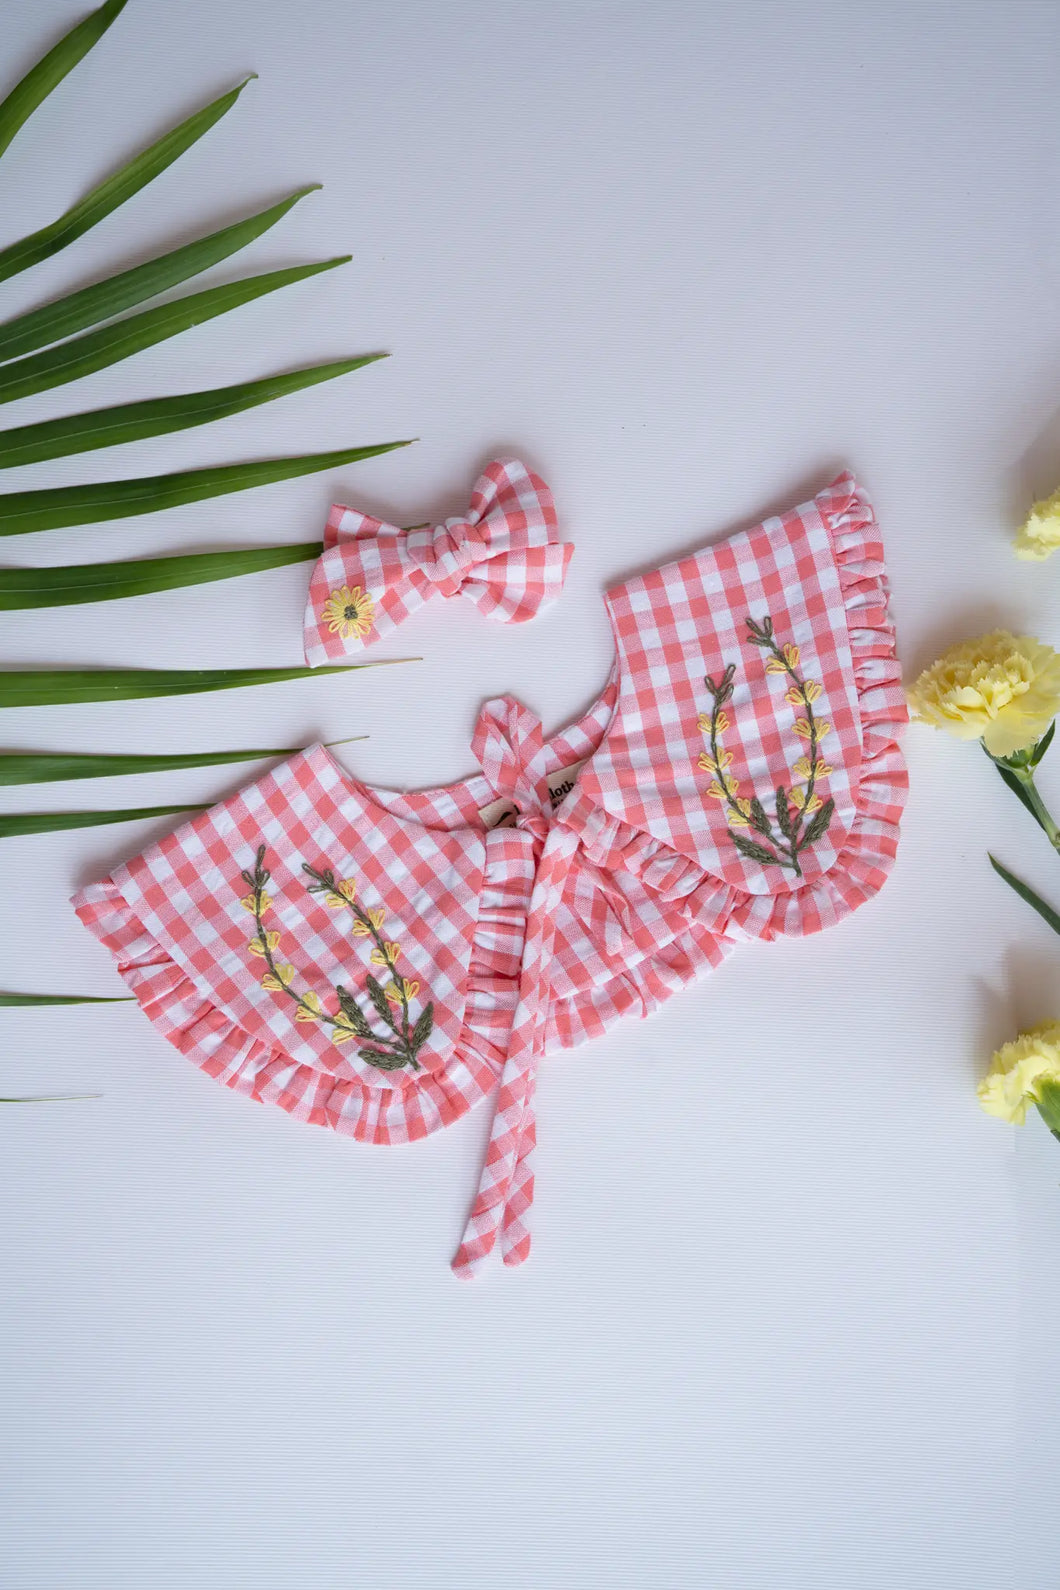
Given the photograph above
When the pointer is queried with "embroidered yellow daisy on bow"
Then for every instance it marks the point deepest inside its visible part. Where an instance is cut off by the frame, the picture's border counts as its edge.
(349, 611)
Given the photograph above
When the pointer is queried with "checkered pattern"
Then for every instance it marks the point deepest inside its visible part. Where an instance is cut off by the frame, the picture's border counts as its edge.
(506, 557)
(535, 937)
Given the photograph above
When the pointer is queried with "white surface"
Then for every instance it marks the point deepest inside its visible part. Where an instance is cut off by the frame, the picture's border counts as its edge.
(792, 1309)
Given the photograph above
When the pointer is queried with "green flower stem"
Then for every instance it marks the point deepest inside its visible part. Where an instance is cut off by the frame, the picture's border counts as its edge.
(1024, 776)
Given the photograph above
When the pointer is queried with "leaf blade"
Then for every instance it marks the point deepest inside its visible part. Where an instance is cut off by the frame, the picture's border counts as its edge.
(51, 767)
(47, 687)
(14, 1001)
(13, 824)
(1035, 901)
(79, 583)
(47, 73)
(133, 422)
(98, 350)
(103, 300)
(116, 189)
(54, 508)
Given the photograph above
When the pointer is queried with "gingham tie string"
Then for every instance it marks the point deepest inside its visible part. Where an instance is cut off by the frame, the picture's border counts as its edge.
(510, 748)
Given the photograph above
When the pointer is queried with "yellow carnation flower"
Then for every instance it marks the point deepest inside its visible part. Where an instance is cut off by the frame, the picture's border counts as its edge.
(1020, 1070)
(1003, 689)
(1039, 536)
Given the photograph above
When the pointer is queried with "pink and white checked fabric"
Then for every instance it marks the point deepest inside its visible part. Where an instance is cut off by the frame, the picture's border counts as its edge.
(618, 881)
(505, 556)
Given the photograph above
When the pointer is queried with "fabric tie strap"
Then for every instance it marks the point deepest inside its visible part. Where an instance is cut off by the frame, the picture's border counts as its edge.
(506, 556)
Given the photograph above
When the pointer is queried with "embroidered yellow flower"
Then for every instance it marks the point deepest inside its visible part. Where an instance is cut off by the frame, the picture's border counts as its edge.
(1019, 1072)
(797, 798)
(265, 945)
(310, 1009)
(376, 916)
(1003, 689)
(790, 660)
(1039, 536)
(393, 989)
(349, 611)
(341, 1032)
(739, 812)
(387, 955)
(277, 984)
(342, 895)
(806, 730)
(798, 695)
(250, 904)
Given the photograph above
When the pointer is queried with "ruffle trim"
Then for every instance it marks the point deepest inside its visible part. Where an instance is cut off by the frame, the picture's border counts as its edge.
(863, 864)
(186, 1015)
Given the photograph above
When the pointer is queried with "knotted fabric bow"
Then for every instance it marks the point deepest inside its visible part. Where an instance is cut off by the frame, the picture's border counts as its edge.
(506, 556)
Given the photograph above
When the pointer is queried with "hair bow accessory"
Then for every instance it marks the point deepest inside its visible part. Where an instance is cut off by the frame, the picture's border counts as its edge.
(506, 556)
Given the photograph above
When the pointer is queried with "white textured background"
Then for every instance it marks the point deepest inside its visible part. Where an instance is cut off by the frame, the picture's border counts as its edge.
(791, 1319)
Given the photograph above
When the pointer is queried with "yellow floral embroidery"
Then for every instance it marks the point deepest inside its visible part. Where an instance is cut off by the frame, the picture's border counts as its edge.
(310, 1009)
(405, 1033)
(385, 954)
(276, 982)
(794, 807)
(349, 611)
(371, 923)
(264, 946)
(343, 894)
(253, 906)
(401, 988)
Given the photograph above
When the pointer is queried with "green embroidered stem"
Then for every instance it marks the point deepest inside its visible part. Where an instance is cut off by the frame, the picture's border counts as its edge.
(755, 815)
(408, 1041)
(257, 880)
(791, 820)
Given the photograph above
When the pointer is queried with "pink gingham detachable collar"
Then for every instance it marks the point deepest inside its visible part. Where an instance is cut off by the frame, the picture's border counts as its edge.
(505, 556)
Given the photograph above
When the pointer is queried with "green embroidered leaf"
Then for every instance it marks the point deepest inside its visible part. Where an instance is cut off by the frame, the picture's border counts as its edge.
(422, 1030)
(759, 821)
(103, 300)
(64, 586)
(48, 767)
(49, 71)
(354, 1014)
(1045, 911)
(23, 512)
(116, 189)
(383, 1060)
(49, 687)
(132, 422)
(751, 849)
(380, 1001)
(96, 350)
(12, 823)
(817, 827)
(783, 812)
(9, 1000)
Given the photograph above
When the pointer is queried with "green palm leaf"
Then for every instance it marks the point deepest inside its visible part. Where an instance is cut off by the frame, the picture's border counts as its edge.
(106, 582)
(103, 300)
(50, 687)
(23, 512)
(8, 1001)
(12, 823)
(131, 422)
(116, 189)
(48, 767)
(98, 349)
(50, 70)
